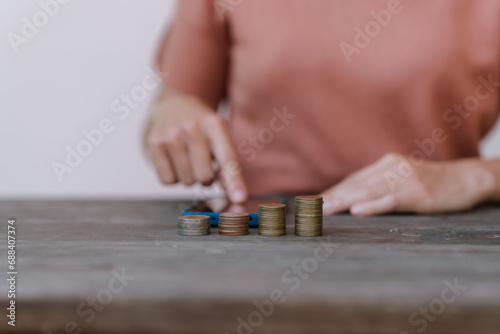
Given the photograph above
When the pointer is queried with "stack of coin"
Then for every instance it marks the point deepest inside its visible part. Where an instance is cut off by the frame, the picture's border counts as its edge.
(193, 225)
(308, 216)
(272, 219)
(233, 223)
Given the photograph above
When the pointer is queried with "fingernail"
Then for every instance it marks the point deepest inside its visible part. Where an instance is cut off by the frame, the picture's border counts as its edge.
(238, 196)
(357, 210)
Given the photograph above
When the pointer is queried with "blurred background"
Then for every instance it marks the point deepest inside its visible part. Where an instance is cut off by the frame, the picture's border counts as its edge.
(71, 74)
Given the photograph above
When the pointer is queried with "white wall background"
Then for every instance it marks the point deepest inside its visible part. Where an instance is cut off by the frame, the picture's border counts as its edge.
(64, 80)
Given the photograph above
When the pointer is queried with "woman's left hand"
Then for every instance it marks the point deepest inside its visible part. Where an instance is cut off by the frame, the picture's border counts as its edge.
(393, 184)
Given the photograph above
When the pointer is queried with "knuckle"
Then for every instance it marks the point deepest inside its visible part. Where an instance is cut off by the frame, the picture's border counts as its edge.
(154, 141)
(173, 137)
(191, 128)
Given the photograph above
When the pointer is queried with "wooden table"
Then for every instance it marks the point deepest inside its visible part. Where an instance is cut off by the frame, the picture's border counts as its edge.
(120, 267)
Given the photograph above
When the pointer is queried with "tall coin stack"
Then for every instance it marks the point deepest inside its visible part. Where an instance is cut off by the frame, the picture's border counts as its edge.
(233, 223)
(272, 219)
(193, 225)
(308, 216)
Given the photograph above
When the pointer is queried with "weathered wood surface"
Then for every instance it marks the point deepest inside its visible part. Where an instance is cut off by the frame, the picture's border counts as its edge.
(380, 271)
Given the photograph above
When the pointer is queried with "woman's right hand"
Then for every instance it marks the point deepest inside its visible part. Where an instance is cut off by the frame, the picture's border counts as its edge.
(184, 136)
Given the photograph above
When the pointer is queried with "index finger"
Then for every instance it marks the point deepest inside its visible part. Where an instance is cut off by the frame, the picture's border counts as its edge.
(225, 154)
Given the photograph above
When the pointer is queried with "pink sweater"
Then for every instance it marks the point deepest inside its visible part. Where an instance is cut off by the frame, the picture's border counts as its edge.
(321, 88)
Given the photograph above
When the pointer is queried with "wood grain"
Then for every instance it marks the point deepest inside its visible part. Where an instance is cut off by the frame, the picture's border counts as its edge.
(375, 273)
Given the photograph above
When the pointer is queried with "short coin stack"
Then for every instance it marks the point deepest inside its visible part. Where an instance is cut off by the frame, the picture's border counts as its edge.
(193, 225)
(308, 216)
(272, 219)
(233, 223)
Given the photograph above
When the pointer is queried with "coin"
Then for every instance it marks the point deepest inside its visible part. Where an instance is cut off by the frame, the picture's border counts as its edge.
(309, 216)
(233, 223)
(272, 219)
(193, 225)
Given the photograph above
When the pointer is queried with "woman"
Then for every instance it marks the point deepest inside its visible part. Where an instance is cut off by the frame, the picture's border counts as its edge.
(377, 104)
